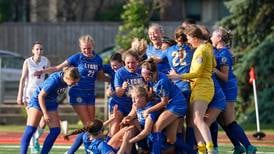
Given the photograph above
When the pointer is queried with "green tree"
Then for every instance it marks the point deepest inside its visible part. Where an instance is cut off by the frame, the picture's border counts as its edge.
(135, 21)
(252, 24)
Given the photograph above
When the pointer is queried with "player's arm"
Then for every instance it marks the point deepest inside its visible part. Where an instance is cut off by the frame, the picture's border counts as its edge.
(102, 77)
(52, 69)
(222, 73)
(22, 83)
(42, 102)
(130, 117)
(120, 91)
(113, 116)
(144, 133)
(156, 107)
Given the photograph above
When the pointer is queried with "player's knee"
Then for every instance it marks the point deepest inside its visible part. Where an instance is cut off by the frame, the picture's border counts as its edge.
(157, 127)
(171, 140)
(197, 120)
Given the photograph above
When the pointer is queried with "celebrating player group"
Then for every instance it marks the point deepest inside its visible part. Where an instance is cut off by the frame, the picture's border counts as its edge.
(165, 96)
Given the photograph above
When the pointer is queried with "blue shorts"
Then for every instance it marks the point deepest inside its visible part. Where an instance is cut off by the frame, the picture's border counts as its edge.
(218, 100)
(179, 109)
(50, 106)
(144, 144)
(81, 97)
(231, 94)
(123, 107)
(187, 95)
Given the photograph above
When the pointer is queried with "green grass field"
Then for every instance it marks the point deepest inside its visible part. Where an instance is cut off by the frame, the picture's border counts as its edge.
(223, 149)
(57, 149)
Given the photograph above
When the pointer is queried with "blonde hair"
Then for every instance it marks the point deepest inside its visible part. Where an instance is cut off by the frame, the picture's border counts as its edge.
(225, 35)
(132, 53)
(87, 39)
(139, 45)
(157, 26)
(72, 72)
(141, 91)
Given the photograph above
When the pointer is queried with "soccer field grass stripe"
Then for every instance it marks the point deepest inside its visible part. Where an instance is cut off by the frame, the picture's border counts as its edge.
(60, 149)
(54, 147)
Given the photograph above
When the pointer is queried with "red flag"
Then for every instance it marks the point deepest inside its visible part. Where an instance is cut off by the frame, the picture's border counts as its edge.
(252, 75)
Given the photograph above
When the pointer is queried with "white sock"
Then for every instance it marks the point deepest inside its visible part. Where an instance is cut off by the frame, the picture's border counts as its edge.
(31, 141)
(38, 133)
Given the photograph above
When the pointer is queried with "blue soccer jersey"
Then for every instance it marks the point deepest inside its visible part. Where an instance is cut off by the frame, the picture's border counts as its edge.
(180, 62)
(132, 78)
(114, 99)
(88, 69)
(225, 58)
(164, 87)
(96, 146)
(53, 86)
(153, 115)
(163, 66)
(84, 91)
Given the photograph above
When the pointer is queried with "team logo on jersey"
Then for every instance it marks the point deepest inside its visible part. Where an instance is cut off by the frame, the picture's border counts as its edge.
(199, 60)
(79, 99)
(224, 60)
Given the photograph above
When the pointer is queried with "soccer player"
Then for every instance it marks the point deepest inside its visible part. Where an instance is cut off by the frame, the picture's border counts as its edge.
(95, 141)
(202, 85)
(220, 40)
(172, 102)
(82, 95)
(154, 50)
(141, 102)
(116, 62)
(28, 83)
(125, 78)
(43, 103)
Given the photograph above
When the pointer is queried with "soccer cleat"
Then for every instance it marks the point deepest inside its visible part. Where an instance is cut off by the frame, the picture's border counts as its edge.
(239, 150)
(215, 150)
(251, 149)
(36, 147)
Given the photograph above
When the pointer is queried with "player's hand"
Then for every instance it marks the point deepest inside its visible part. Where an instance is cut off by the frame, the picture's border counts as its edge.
(126, 120)
(173, 75)
(146, 113)
(46, 117)
(20, 102)
(125, 85)
(214, 70)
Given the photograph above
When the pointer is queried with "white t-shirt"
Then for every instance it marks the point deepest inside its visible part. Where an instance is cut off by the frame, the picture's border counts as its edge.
(34, 81)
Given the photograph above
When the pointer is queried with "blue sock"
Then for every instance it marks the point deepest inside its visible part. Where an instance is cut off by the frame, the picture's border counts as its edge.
(231, 136)
(157, 138)
(190, 137)
(214, 133)
(48, 143)
(29, 131)
(76, 144)
(239, 133)
(181, 146)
